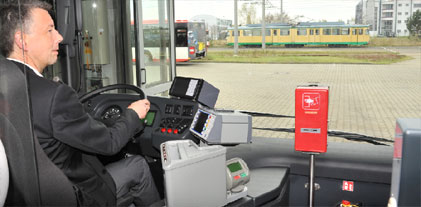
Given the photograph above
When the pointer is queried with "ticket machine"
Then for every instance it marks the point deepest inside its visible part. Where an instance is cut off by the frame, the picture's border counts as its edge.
(197, 175)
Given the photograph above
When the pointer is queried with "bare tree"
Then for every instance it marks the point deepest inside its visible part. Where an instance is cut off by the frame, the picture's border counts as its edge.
(276, 18)
(247, 14)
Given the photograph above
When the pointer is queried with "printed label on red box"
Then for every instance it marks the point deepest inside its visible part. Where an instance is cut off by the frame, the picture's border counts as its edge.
(311, 101)
(348, 186)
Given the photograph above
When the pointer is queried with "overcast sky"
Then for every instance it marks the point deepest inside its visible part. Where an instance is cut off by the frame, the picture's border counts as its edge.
(313, 10)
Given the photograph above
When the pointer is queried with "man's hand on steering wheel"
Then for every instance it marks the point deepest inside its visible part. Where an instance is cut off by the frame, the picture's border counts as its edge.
(141, 107)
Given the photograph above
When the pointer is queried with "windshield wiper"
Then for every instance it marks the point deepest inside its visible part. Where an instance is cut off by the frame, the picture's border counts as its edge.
(345, 135)
(252, 113)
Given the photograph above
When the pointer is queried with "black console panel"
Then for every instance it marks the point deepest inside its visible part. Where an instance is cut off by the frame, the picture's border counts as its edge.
(168, 119)
(172, 121)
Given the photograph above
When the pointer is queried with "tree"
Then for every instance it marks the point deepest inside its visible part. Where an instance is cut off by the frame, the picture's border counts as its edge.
(247, 14)
(414, 23)
(276, 18)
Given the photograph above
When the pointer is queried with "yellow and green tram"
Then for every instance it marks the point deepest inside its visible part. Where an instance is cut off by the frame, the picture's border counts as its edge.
(333, 35)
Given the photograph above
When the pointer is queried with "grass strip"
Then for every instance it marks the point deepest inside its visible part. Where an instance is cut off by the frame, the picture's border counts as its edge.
(304, 57)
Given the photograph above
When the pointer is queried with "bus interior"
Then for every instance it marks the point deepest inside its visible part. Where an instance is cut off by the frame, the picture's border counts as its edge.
(216, 161)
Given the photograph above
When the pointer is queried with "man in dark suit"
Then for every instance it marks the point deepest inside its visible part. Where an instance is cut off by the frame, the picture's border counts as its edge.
(70, 137)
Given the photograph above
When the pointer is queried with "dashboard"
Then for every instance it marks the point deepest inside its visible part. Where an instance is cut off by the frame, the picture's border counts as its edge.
(168, 119)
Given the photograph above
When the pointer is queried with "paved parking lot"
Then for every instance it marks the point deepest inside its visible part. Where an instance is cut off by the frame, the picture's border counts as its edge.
(365, 99)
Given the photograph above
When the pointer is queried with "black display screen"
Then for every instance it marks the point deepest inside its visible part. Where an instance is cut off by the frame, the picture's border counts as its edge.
(185, 87)
(201, 121)
(150, 117)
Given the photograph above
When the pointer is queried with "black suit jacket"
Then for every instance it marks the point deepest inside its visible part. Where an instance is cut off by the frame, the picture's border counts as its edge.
(72, 138)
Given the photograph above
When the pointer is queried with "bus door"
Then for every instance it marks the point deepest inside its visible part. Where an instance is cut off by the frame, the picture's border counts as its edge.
(181, 42)
(196, 39)
(354, 35)
(154, 66)
(269, 37)
(311, 36)
(293, 34)
(317, 32)
(360, 35)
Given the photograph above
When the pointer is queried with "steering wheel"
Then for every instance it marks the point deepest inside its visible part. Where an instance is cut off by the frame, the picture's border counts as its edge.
(110, 121)
(98, 91)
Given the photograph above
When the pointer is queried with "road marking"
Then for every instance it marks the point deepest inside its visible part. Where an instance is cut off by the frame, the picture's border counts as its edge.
(390, 50)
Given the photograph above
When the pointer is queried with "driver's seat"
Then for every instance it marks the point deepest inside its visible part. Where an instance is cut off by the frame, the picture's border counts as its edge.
(33, 179)
(4, 175)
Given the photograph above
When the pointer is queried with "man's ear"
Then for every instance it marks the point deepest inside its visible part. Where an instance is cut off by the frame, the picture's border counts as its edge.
(19, 42)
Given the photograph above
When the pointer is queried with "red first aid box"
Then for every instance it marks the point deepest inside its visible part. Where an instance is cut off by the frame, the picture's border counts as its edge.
(311, 112)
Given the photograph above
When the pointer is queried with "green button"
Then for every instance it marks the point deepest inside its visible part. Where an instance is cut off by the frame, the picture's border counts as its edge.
(243, 175)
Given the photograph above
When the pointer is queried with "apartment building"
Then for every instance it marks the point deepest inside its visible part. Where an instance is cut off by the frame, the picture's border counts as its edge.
(386, 17)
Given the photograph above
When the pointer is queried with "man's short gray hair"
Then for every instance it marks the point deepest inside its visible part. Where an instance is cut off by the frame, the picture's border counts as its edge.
(13, 18)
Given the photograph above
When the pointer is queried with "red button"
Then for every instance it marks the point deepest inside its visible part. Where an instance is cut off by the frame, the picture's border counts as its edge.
(163, 130)
(175, 131)
(169, 131)
(345, 202)
(236, 177)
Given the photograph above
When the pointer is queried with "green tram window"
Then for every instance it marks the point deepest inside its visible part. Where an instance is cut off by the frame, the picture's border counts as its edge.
(257, 32)
(302, 32)
(345, 31)
(284, 32)
(247, 32)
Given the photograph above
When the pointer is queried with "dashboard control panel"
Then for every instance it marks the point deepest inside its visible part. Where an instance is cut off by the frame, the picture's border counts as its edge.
(168, 119)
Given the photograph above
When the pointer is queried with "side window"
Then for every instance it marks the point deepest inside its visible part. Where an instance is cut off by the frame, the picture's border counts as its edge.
(327, 32)
(361, 32)
(247, 33)
(336, 32)
(317, 31)
(302, 32)
(180, 35)
(345, 31)
(284, 32)
(275, 32)
(354, 31)
(257, 32)
(311, 32)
